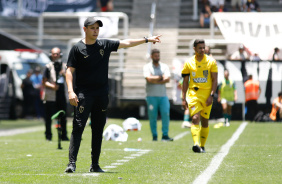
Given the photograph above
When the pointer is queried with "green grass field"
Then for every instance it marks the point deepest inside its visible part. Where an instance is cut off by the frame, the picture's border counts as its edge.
(254, 158)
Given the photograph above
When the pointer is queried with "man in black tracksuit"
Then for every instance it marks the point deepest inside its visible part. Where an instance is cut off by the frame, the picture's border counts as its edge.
(89, 60)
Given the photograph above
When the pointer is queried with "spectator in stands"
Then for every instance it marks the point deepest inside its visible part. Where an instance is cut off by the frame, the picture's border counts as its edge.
(238, 4)
(157, 74)
(28, 95)
(253, 6)
(275, 56)
(252, 93)
(36, 79)
(276, 111)
(218, 4)
(241, 54)
(106, 5)
(227, 95)
(205, 14)
(255, 57)
(208, 51)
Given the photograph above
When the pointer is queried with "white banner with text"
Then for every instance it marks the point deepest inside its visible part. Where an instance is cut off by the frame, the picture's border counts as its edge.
(259, 32)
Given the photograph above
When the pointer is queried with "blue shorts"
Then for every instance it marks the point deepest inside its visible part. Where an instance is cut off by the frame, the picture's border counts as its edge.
(207, 21)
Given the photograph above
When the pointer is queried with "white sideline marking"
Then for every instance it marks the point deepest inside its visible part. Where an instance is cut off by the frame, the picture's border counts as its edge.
(179, 136)
(19, 131)
(142, 153)
(129, 157)
(136, 155)
(122, 160)
(218, 158)
(117, 164)
(110, 166)
(90, 174)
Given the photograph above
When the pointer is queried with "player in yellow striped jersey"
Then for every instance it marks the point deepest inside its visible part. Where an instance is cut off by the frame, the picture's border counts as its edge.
(201, 70)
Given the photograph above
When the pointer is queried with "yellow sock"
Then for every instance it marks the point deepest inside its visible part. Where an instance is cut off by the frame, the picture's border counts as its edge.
(204, 133)
(195, 131)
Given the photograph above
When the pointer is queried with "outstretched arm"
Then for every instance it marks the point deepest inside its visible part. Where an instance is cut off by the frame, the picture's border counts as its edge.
(134, 42)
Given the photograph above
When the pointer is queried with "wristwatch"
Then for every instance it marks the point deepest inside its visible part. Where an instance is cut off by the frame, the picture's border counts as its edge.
(146, 39)
(212, 95)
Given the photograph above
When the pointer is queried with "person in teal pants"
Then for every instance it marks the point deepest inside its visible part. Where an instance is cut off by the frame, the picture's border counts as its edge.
(157, 74)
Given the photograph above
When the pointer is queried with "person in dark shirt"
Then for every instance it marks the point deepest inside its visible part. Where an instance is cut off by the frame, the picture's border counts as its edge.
(28, 95)
(89, 61)
(205, 14)
(253, 6)
(36, 79)
(106, 5)
(275, 56)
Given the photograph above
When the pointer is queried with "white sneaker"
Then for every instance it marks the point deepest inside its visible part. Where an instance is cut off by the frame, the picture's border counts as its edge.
(186, 124)
(227, 124)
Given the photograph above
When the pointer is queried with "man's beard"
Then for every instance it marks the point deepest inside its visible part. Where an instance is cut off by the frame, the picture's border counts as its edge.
(156, 61)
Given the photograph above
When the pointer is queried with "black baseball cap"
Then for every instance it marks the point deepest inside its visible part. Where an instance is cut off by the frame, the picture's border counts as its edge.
(91, 21)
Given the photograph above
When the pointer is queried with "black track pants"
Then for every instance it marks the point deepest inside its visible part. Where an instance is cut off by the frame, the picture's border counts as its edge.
(97, 106)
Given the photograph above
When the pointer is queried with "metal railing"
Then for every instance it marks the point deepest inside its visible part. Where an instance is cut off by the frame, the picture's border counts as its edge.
(70, 15)
(195, 10)
(152, 25)
(54, 15)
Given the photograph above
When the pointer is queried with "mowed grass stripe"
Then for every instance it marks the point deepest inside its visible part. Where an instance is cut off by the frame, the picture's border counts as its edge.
(254, 158)
(19, 131)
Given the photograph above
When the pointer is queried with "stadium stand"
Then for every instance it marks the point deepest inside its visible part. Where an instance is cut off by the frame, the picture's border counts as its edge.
(173, 20)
